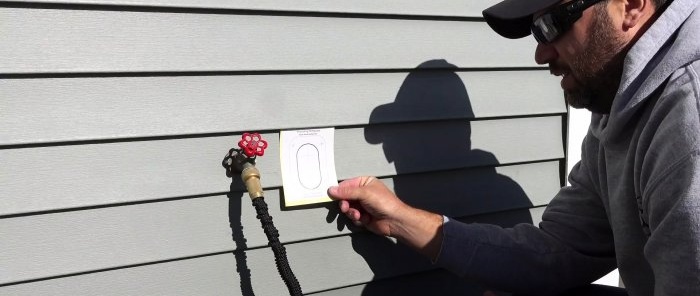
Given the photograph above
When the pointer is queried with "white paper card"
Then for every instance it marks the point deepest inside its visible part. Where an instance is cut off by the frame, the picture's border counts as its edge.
(308, 165)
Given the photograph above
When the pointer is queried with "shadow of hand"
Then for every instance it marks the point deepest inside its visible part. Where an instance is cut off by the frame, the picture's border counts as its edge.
(342, 222)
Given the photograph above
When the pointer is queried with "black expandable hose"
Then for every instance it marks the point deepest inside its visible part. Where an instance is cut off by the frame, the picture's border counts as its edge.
(277, 248)
(243, 161)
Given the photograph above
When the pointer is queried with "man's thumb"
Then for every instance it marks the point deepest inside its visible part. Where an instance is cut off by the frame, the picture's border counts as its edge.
(342, 193)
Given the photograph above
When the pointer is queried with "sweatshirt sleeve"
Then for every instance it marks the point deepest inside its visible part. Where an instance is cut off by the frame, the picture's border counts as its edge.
(672, 208)
(572, 246)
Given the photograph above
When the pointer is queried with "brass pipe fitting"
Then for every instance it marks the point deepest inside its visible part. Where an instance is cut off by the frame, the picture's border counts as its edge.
(251, 178)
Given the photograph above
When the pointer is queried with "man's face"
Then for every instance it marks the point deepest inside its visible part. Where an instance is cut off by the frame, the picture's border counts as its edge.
(589, 57)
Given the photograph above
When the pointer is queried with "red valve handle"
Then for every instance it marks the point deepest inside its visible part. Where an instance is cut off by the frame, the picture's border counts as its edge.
(252, 144)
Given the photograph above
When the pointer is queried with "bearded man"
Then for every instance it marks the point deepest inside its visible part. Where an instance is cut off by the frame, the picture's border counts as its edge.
(634, 199)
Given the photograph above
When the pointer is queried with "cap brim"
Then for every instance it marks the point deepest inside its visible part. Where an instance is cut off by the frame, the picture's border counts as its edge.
(512, 18)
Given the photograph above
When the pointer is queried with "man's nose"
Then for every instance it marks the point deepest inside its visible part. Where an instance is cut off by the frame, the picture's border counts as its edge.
(545, 53)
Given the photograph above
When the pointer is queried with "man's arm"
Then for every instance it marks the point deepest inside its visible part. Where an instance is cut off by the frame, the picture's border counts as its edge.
(522, 259)
(573, 246)
(673, 248)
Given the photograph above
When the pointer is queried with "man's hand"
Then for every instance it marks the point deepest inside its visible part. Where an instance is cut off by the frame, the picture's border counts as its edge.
(367, 202)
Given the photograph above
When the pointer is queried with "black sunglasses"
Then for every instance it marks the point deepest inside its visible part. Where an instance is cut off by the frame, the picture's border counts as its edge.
(548, 27)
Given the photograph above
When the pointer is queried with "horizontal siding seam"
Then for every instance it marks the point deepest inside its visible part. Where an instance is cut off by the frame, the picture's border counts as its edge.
(39, 75)
(208, 254)
(242, 192)
(237, 11)
(97, 141)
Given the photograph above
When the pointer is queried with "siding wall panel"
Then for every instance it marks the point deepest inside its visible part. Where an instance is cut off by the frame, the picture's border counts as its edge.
(79, 241)
(98, 174)
(83, 41)
(319, 265)
(116, 115)
(457, 8)
(70, 109)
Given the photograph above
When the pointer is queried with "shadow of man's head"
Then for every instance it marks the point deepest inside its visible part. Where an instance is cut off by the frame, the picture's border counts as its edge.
(432, 90)
(426, 133)
(432, 93)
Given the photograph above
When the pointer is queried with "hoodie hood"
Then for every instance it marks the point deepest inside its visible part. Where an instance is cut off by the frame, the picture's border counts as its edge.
(649, 62)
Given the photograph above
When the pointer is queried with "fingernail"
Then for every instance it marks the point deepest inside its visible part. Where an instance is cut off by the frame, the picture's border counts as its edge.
(333, 190)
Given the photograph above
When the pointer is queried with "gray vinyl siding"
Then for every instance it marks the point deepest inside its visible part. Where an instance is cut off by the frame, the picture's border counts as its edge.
(48, 110)
(115, 117)
(471, 8)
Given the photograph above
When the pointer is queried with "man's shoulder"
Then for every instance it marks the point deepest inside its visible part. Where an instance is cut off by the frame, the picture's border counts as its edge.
(681, 93)
(686, 75)
(672, 130)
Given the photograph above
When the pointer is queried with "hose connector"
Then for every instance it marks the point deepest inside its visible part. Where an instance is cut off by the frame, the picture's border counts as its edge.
(251, 178)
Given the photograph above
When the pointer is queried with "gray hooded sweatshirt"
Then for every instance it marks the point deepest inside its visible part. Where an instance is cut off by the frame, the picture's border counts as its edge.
(634, 199)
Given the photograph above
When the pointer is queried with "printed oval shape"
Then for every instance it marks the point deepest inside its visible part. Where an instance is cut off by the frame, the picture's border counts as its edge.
(309, 166)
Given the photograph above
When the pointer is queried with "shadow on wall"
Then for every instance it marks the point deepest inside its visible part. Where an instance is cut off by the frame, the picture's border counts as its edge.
(434, 90)
(235, 200)
(235, 214)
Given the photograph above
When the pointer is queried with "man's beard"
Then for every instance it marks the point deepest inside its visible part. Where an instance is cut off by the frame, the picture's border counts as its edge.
(598, 67)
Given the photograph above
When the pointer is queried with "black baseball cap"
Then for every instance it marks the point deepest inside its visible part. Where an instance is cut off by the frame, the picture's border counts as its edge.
(512, 18)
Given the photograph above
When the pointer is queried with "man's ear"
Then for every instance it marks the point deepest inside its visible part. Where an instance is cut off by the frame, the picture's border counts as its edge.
(636, 13)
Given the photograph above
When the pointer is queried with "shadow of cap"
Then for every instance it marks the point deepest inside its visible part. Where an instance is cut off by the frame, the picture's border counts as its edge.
(432, 91)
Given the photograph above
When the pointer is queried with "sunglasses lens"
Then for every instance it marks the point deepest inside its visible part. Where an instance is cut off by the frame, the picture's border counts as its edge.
(538, 35)
(544, 29)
